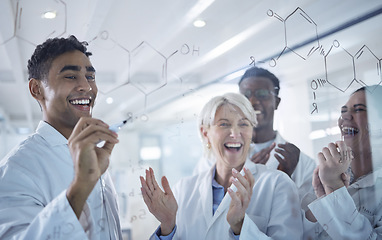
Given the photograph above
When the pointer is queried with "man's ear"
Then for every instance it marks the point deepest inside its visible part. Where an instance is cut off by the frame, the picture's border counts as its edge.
(278, 100)
(35, 89)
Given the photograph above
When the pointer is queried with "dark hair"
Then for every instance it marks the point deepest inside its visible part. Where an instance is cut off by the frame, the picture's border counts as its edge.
(45, 53)
(360, 89)
(261, 72)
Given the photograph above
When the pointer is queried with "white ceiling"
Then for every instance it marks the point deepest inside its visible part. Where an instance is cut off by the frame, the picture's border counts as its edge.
(151, 59)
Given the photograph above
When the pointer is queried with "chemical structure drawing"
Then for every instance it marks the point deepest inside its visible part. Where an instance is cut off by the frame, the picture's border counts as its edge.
(146, 66)
(254, 62)
(337, 53)
(141, 74)
(26, 16)
(315, 84)
(362, 73)
(357, 69)
(306, 25)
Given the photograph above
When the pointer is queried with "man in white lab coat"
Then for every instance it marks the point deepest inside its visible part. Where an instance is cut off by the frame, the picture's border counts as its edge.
(54, 185)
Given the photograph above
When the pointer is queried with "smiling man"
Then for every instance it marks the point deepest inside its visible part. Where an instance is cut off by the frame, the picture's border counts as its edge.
(54, 185)
(262, 88)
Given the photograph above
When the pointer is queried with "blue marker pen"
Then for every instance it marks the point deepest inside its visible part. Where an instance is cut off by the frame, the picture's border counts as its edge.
(116, 127)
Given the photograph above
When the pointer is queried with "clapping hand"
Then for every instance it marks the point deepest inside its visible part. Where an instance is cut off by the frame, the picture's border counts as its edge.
(161, 204)
(290, 156)
(263, 156)
(334, 161)
(240, 199)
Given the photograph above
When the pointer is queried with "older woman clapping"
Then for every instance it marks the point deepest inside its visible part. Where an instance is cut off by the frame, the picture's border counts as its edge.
(260, 203)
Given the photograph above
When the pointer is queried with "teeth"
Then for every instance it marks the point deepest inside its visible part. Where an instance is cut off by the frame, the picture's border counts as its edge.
(349, 130)
(80, 102)
(233, 145)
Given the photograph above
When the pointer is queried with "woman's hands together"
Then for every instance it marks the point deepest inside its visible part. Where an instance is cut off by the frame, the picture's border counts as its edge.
(240, 199)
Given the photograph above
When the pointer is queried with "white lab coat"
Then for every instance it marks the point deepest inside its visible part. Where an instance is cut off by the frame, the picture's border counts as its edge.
(302, 175)
(273, 213)
(33, 203)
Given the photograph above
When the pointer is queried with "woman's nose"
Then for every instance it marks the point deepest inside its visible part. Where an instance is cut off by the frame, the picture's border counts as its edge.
(346, 116)
(235, 132)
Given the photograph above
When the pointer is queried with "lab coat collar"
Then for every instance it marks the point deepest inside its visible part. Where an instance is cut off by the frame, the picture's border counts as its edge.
(50, 134)
(205, 191)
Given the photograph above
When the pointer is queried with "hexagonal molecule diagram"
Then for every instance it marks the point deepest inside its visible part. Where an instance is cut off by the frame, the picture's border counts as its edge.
(148, 68)
(27, 15)
(115, 73)
(301, 35)
(343, 79)
(365, 73)
(6, 16)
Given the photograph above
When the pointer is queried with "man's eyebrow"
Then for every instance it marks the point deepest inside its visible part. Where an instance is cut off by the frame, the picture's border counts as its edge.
(70, 68)
(90, 69)
(76, 68)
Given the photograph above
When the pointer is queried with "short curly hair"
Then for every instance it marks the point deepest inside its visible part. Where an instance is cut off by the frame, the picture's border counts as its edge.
(40, 62)
(261, 72)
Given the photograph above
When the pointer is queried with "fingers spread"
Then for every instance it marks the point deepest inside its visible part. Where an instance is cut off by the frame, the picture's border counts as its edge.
(145, 187)
(149, 181)
(166, 186)
(154, 182)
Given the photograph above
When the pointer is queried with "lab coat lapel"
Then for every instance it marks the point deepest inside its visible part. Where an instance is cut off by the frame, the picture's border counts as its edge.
(225, 203)
(205, 192)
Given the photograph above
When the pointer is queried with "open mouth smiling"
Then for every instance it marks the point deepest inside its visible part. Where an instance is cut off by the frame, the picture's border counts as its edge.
(83, 104)
(80, 101)
(349, 131)
(233, 146)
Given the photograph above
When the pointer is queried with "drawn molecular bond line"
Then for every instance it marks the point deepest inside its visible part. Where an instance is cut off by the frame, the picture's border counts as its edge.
(22, 26)
(137, 60)
(354, 62)
(307, 24)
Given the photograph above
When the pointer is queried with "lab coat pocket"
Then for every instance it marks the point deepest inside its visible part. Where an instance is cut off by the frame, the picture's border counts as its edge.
(261, 222)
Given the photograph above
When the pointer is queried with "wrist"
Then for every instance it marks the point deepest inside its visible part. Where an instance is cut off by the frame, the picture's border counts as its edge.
(236, 229)
(77, 194)
(333, 187)
(166, 229)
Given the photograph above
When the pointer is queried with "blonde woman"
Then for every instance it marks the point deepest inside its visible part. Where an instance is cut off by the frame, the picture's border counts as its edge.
(234, 199)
